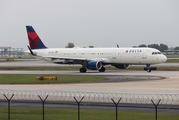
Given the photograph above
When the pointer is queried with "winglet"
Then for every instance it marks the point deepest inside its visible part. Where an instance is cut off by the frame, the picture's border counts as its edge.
(32, 53)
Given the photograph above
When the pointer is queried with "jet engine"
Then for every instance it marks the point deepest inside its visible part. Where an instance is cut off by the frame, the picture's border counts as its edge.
(121, 66)
(93, 65)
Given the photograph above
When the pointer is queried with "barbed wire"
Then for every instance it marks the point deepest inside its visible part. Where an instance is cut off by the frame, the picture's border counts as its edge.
(135, 98)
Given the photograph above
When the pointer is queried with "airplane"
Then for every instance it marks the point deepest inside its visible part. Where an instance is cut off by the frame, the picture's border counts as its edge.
(95, 58)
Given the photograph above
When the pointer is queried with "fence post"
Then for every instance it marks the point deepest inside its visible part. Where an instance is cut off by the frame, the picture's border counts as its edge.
(116, 105)
(156, 106)
(9, 100)
(78, 102)
(43, 102)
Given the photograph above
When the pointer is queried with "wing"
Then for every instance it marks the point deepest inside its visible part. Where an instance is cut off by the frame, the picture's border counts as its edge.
(103, 60)
(65, 58)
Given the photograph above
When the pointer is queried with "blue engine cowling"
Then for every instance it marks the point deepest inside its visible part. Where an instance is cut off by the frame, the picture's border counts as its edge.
(121, 66)
(93, 65)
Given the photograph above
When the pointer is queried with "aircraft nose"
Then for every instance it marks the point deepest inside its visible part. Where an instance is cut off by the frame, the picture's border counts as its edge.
(164, 58)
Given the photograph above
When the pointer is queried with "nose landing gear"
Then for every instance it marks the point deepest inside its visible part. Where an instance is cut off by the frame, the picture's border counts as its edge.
(148, 68)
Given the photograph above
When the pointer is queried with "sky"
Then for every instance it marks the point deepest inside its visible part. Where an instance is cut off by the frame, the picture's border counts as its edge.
(100, 23)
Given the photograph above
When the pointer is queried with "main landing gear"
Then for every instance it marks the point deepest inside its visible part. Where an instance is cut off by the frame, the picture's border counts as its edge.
(148, 68)
(102, 69)
(83, 70)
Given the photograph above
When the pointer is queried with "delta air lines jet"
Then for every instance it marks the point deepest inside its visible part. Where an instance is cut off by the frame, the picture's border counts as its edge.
(95, 58)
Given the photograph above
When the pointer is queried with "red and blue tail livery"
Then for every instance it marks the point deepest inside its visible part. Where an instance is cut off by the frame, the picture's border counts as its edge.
(34, 40)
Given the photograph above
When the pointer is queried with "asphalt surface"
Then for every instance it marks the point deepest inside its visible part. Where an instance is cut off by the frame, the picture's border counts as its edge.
(140, 82)
(93, 106)
(35, 62)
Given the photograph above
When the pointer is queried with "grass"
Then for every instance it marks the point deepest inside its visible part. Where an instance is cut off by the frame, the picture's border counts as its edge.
(40, 68)
(31, 79)
(75, 68)
(71, 114)
(172, 61)
(159, 68)
(172, 56)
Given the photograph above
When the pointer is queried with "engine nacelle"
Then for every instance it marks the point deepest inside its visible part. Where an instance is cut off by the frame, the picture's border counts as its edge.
(121, 66)
(93, 65)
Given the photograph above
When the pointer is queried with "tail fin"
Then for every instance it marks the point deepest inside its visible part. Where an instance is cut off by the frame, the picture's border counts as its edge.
(34, 40)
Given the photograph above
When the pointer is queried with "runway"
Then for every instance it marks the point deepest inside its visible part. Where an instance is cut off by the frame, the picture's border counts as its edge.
(36, 62)
(168, 85)
(146, 84)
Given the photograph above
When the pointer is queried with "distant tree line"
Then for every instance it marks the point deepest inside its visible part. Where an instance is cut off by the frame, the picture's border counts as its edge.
(176, 48)
(161, 47)
(71, 45)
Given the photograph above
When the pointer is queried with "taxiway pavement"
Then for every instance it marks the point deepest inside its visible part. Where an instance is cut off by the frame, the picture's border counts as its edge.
(35, 62)
(168, 85)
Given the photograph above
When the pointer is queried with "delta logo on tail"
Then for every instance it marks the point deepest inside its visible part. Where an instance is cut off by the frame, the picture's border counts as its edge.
(34, 40)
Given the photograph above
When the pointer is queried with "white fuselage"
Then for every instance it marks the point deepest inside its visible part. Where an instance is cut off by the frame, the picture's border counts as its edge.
(106, 55)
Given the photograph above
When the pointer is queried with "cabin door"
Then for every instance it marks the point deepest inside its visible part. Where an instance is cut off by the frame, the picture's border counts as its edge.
(144, 54)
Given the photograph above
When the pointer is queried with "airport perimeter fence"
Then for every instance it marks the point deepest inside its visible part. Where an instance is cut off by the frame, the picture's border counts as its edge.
(100, 97)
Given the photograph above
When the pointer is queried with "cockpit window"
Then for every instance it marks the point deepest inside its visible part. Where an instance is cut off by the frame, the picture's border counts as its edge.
(154, 53)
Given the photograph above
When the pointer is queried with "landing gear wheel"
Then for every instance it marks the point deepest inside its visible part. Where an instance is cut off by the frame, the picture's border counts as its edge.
(102, 69)
(149, 70)
(82, 70)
